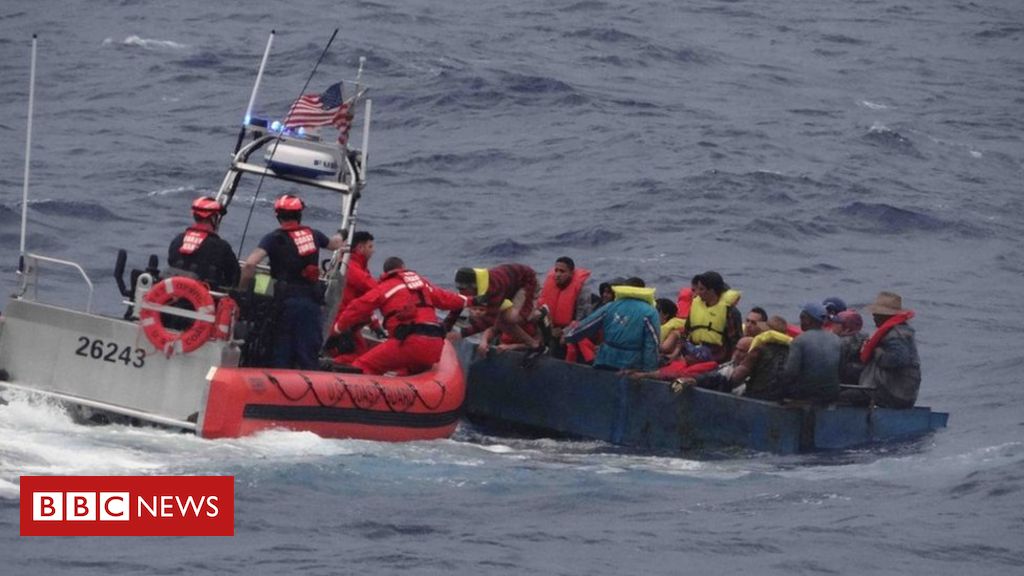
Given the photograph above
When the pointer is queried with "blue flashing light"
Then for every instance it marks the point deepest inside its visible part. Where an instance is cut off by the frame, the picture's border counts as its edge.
(247, 120)
(276, 126)
(302, 131)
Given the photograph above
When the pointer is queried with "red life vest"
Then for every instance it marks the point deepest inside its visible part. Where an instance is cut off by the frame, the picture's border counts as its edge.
(530, 328)
(892, 322)
(561, 302)
(405, 300)
(683, 302)
(194, 237)
(303, 239)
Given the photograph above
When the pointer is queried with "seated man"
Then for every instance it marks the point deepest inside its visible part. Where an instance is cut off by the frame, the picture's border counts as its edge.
(756, 322)
(847, 325)
(407, 301)
(566, 297)
(812, 368)
(892, 367)
(723, 377)
(764, 365)
(630, 325)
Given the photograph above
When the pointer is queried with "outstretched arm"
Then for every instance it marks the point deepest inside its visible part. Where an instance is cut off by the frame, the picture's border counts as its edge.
(249, 269)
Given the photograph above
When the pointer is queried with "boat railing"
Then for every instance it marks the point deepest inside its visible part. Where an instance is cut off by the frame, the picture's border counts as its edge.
(30, 276)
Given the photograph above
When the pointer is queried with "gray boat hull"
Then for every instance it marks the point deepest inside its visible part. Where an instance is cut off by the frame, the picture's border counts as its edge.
(105, 362)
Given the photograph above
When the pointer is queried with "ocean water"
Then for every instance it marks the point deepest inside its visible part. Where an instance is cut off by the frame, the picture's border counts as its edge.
(803, 149)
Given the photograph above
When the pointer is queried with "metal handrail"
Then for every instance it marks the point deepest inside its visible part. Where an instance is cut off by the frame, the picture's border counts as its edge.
(88, 304)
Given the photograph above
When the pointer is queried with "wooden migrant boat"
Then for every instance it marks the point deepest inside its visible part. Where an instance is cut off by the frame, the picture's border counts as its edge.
(551, 397)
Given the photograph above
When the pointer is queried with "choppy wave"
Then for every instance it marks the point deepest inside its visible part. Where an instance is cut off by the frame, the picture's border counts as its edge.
(891, 140)
(507, 248)
(147, 43)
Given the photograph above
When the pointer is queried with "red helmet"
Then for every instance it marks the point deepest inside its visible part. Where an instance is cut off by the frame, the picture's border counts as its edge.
(206, 206)
(289, 203)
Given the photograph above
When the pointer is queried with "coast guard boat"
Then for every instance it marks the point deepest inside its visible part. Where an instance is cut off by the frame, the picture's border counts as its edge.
(207, 377)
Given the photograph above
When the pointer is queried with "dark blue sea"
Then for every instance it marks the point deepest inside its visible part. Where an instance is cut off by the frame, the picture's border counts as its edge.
(804, 149)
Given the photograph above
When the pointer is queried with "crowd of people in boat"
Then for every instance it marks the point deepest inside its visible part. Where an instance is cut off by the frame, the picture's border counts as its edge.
(700, 338)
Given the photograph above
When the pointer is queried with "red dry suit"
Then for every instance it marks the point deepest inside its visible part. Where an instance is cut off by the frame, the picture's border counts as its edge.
(358, 281)
(408, 302)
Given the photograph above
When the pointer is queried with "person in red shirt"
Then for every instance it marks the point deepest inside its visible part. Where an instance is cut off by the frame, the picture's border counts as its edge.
(358, 281)
(408, 302)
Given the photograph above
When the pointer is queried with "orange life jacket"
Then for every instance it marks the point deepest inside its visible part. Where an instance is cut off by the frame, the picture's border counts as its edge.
(561, 303)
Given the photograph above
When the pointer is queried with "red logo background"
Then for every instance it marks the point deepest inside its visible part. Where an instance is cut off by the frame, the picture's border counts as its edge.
(202, 516)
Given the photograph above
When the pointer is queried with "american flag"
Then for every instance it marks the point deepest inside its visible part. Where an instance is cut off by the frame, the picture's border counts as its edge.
(320, 110)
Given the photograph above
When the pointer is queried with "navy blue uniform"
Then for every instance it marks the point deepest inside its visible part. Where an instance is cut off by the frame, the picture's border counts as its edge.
(294, 252)
(200, 251)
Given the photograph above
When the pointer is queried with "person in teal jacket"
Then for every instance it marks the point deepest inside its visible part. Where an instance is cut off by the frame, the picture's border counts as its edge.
(631, 328)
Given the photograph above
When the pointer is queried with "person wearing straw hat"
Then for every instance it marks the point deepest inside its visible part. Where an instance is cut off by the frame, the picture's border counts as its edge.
(892, 367)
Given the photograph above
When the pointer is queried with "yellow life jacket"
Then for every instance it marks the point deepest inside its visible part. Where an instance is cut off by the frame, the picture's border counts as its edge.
(635, 293)
(672, 325)
(771, 337)
(731, 296)
(707, 325)
(483, 280)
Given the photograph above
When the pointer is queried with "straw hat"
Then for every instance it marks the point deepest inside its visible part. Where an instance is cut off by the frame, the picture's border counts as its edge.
(886, 304)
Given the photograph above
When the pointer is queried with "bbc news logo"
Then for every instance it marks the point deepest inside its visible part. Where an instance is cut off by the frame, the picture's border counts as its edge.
(127, 506)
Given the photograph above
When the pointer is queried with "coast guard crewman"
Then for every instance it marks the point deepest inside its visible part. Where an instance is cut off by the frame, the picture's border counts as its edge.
(408, 302)
(294, 252)
(200, 252)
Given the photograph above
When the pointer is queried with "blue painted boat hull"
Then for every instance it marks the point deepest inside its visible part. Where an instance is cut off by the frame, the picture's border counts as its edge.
(556, 398)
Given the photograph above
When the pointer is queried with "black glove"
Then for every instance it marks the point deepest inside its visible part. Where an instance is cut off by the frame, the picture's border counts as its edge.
(478, 300)
(380, 333)
(340, 344)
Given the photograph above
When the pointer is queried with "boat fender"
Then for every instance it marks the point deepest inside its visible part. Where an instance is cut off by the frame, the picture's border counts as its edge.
(162, 294)
(224, 318)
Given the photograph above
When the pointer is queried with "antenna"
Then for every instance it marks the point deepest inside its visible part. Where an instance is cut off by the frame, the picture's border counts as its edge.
(28, 154)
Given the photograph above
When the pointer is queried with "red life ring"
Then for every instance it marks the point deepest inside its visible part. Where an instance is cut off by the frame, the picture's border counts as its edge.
(175, 288)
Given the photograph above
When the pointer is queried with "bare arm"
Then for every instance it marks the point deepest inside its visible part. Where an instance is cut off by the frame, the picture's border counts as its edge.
(249, 268)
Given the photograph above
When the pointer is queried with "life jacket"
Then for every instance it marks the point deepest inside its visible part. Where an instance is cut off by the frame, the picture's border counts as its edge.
(406, 301)
(770, 337)
(300, 238)
(683, 302)
(707, 324)
(193, 239)
(561, 302)
(876, 338)
(671, 325)
(634, 293)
